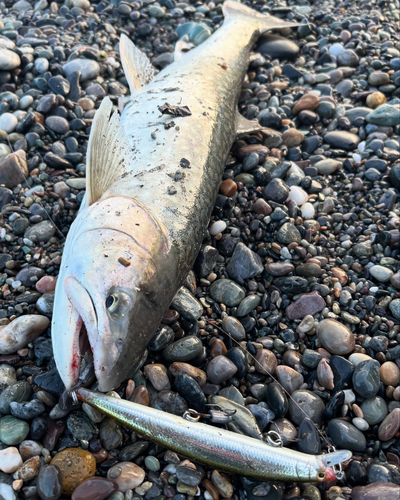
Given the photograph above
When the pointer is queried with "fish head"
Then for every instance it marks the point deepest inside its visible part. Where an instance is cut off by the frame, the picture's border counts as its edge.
(112, 291)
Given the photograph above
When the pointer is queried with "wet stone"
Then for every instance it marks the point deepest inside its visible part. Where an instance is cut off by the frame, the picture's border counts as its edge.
(75, 466)
(335, 337)
(278, 47)
(81, 427)
(375, 410)
(390, 426)
(375, 491)
(310, 403)
(366, 378)
(277, 399)
(110, 434)
(95, 488)
(164, 336)
(188, 476)
(226, 292)
(244, 263)
(220, 369)
(126, 475)
(356, 473)
(308, 436)
(27, 410)
(12, 430)
(190, 390)
(342, 140)
(288, 233)
(187, 305)
(290, 379)
(130, 452)
(346, 436)
(18, 392)
(342, 372)
(171, 402)
(276, 190)
(184, 349)
(233, 326)
(308, 303)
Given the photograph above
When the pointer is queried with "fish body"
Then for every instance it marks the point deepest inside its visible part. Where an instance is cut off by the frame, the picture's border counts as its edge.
(152, 179)
(218, 448)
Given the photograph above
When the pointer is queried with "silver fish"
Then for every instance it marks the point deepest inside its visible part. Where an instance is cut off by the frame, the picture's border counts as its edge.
(218, 448)
(152, 178)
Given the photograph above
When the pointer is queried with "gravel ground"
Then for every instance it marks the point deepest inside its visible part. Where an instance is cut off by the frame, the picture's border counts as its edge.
(298, 276)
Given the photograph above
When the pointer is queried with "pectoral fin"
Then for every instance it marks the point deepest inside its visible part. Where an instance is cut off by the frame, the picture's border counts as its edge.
(107, 151)
(138, 69)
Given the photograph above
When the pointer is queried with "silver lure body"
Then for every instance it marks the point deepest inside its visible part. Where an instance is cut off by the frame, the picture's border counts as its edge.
(134, 162)
(224, 450)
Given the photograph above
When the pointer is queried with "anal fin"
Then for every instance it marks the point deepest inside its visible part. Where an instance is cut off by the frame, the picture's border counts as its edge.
(138, 69)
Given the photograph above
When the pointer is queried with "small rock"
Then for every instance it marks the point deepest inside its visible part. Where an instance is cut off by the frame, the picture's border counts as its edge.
(335, 337)
(10, 460)
(126, 475)
(309, 303)
(49, 483)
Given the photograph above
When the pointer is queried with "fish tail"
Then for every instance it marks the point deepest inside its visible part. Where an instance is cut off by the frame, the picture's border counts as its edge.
(264, 22)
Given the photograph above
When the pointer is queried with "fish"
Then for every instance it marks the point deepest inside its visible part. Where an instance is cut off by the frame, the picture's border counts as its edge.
(217, 447)
(152, 177)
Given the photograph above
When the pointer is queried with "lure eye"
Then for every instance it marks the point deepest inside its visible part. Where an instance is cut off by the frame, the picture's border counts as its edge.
(112, 302)
(321, 475)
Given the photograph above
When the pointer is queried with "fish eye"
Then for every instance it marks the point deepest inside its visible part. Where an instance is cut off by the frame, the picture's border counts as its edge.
(321, 475)
(112, 302)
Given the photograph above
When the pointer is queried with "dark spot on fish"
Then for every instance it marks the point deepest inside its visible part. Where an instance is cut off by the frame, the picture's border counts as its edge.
(184, 163)
(224, 66)
(124, 262)
(168, 125)
(167, 109)
(105, 255)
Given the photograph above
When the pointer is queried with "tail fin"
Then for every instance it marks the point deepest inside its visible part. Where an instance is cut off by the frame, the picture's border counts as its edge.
(232, 9)
(335, 458)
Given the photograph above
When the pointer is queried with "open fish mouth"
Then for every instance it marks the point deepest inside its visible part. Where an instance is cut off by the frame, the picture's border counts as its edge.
(82, 364)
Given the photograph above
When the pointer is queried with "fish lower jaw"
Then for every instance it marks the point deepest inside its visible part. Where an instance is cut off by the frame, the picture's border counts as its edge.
(81, 350)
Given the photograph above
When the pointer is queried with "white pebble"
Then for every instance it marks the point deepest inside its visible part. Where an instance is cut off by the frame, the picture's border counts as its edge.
(41, 64)
(357, 357)
(8, 122)
(307, 211)
(298, 195)
(25, 101)
(360, 423)
(336, 49)
(374, 289)
(295, 169)
(10, 460)
(4, 150)
(349, 396)
(217, 227)
(357, 158)
(6, 492)
(361, 146)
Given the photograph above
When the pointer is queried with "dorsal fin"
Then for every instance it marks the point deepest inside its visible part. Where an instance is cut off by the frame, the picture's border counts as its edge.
(106, 150)
(138, 69)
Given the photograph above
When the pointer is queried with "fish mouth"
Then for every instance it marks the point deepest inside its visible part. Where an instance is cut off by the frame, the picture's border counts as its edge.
(82, 364)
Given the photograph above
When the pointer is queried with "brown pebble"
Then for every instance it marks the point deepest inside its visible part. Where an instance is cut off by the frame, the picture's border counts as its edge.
(325, 374)
(217, 348)
(307, 101)
(75, 465)
(141, 395)
(126, 475)
(158, 376)
(292, 138)
(95, 488)
(390, 426)
(223, 485)
(212, 490)
(46, 284)
(29, 470)
(375, 99)
(261, 207)
(340, 275)
(184, 368)
(390, 373)
(228, 187)
(266, 362)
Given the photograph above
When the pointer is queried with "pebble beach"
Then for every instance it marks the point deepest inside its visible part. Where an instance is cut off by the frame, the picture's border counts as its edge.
(290, 318)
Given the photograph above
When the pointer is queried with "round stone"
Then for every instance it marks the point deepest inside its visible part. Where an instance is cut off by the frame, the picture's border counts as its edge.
(298, 195)
(234, 327)
(381, 273)
(390, 426)
(127, 475)
(8, 122)
(227, 292)
(335, 337)
(10, 460)
(184, 349)
(374, 409)
(95, 488)
(346, 435)
(49, 483)
(220, 369)
(310, 403)
(75, 466)
(12, 430)
(366, 378)
(375, 99)
(389, 373)
(217, 227)
(228, 187)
